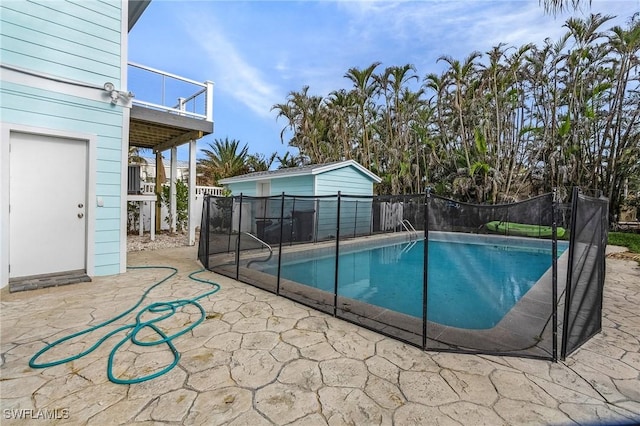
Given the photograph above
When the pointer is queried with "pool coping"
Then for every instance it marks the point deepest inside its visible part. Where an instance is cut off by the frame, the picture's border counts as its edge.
(504, 338)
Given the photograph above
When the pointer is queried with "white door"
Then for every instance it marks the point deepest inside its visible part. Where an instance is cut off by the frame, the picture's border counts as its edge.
(47, 205)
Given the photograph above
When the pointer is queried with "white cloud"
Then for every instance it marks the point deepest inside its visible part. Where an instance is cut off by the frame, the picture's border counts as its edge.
(233, 73)
(429, 29)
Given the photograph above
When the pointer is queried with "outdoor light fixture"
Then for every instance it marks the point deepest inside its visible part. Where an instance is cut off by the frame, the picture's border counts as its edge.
(116, 94)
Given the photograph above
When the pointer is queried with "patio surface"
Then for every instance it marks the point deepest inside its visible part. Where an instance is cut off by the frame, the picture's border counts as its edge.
(259, 359)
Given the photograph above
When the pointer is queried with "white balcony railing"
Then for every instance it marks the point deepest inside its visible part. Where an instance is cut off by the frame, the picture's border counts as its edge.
(150, 188)
(188, 97)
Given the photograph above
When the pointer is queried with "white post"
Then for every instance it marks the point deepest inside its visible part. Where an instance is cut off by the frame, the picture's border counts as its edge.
(152, 207)
(192, 193)
(172, 189)
(159, 176)
(209, 100)
(140, 217)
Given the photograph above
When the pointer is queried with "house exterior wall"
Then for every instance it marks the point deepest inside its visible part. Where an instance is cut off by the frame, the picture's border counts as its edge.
(79, 41)
(348, 180)
(58, 57)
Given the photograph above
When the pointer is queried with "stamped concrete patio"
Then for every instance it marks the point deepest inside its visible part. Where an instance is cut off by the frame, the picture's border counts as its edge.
(259, 359)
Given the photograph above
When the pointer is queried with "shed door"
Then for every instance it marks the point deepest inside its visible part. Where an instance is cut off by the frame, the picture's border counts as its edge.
(264, 189)
(47, 198)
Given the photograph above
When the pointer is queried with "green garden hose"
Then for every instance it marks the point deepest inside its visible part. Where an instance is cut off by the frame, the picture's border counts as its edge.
(166, 309)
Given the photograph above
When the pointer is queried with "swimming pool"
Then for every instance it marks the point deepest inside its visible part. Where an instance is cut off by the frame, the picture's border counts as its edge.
(472, 284)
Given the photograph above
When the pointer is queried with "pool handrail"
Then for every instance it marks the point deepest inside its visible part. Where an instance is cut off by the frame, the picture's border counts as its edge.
(409, 228)
(264, 244)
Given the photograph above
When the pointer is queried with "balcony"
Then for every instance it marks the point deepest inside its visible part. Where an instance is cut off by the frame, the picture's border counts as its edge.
(168, 110)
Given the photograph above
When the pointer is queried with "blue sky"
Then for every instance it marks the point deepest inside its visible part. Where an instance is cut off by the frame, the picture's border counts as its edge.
(256, 52)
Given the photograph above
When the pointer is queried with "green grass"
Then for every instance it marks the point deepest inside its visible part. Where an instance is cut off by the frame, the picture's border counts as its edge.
(625, 239)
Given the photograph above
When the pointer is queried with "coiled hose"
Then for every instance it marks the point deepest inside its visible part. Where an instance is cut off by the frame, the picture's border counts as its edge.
(166, 309)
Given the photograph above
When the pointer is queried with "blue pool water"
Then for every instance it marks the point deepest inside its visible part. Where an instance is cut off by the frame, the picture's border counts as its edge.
(470, 285)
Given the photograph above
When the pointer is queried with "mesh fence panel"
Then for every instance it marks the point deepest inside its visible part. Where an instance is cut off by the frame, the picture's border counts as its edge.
(490, 284)
(307, 268)
(430, 271)
(583, 297)
(216, 249)
(381, 288)
(257, 218)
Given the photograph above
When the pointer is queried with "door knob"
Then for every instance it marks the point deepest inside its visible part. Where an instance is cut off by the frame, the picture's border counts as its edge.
(80, 215)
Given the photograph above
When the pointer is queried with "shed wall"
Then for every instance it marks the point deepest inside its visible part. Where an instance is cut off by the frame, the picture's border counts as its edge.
(355, 214)
(244, 188)
(294, 185)
(348, 180)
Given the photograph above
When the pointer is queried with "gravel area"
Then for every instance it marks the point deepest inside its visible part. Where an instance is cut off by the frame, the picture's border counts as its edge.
(163, 240)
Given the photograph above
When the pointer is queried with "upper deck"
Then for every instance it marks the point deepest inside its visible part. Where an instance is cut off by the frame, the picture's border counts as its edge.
(167, 110)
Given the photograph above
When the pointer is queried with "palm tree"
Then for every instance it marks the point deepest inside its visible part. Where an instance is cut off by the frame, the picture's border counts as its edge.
(288, 161)
(223, 160)
(556, 6)
(260, 163)
(365, 88)
(135, 155)
(306, 120)
(341, 109)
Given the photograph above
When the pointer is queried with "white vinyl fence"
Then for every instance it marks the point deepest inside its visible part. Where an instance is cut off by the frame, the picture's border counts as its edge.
(149, 188)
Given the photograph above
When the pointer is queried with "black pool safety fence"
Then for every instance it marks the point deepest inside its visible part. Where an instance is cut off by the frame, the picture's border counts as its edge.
(514, 279)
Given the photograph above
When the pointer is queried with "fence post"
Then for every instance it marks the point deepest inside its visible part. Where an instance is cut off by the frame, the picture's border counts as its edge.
(335, 288)
(568, 289)
(293, 210)
(205, 227)
(355, 220)
(280, 244)
(232, 198)
(425, 267)
(554, 274)
(238, 244)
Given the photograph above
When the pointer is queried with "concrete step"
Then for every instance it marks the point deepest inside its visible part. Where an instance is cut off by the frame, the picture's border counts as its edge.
(34, 282)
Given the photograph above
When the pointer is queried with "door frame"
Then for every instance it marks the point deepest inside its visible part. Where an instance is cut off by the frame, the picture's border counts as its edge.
(6, 129)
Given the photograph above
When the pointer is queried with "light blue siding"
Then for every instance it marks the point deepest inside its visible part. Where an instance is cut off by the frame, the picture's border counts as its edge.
(245, 188)
(107, 264)
(78, 41)
(109, 166)
(355, 213)
(109, 154)
(108, 236)
(293, 185)
(105, 225)
(47, 109)
(108, 246)
(348, 180)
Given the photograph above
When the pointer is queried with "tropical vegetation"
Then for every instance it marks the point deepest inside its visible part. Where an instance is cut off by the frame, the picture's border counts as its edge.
(224, 158)
(625, 239)
(493, 127)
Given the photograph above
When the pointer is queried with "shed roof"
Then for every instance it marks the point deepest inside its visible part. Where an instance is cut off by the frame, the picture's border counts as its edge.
(311, 169)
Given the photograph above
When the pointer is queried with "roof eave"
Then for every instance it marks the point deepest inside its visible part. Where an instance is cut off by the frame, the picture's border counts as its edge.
(136, 8)
(311, 171)
(358, 166)
(248, 178)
